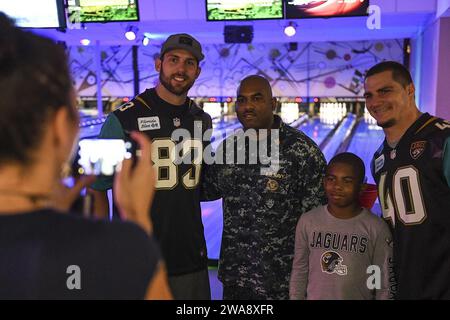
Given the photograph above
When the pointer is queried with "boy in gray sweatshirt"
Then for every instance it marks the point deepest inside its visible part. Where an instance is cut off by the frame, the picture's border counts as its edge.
(342, 251)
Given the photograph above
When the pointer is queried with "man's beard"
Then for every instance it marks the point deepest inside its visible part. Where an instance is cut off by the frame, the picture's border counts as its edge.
(178, 91)
(388, 124)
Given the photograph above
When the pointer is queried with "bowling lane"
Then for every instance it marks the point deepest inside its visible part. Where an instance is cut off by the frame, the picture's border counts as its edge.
(329, 150)
(366, 140)
(224, 122)
(316, 130)
(90, 126)
(212, 217)
(223, 130)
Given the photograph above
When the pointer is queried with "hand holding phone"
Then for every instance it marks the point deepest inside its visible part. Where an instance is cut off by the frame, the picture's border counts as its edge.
(100, 157)
(64, 197)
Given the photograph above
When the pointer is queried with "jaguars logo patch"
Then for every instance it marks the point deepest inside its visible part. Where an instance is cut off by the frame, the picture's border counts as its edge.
(417, 149)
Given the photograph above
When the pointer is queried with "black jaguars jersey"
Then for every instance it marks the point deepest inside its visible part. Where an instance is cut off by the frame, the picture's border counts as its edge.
(414, 193)
(175, 211)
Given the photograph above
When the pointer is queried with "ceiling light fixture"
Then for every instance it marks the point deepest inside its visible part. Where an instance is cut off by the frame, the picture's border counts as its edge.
(130, 34)
(290, 29)
(85, 42)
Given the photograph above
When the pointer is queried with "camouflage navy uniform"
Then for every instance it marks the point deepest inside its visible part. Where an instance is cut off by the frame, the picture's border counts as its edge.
(261, 213)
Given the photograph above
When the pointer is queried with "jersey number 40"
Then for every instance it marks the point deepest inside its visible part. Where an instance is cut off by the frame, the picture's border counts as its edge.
(405, 194)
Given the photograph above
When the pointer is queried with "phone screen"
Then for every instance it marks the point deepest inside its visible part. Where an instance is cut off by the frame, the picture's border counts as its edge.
(100, 157)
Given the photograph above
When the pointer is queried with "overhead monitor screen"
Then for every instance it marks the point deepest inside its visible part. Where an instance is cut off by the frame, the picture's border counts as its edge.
(35, 13)
(325, 8)
(103, 10)
(221, 10)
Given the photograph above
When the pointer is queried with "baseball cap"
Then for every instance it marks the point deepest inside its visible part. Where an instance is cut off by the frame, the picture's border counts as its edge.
(183, 41)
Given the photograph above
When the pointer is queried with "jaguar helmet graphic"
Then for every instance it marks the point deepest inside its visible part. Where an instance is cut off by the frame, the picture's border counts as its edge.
(332, 263)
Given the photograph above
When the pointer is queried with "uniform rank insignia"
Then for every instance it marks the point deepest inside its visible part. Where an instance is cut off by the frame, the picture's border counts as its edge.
(270, 203)
(272, 185)
(176, 122)
(417, 149)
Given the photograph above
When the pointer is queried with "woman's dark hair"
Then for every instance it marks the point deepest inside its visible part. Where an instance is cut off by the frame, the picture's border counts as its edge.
(34, 83)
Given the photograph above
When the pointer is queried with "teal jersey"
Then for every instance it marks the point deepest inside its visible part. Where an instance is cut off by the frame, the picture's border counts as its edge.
(111, 129)
(446, 161)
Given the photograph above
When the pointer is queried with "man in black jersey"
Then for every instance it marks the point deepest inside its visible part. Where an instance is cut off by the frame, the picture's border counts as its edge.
(45, 252)
(176, 213)
(412, 171)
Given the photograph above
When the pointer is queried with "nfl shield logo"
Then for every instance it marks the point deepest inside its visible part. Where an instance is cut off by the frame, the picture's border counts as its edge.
(198, 124)
(393, 154)
(417, 149)
(176, 122)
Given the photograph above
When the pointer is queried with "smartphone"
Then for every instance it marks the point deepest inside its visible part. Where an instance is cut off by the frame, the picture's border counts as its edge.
(100, 157)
